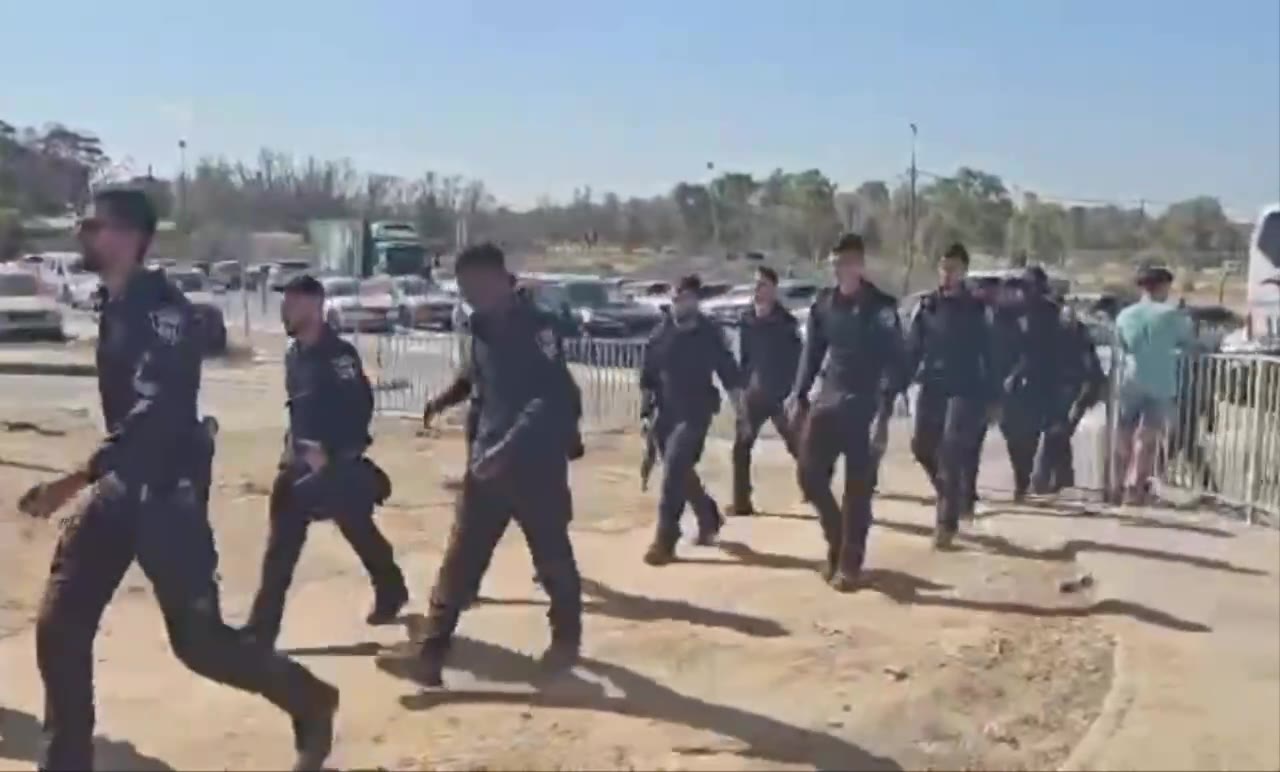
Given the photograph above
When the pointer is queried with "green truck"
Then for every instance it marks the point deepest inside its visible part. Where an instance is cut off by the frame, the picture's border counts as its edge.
(363, 248)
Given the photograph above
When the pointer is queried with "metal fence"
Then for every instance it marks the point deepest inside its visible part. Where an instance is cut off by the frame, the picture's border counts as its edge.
(1223, 442)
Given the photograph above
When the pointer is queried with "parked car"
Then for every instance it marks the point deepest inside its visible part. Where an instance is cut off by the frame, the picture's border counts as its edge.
(419, 303)
(213, 326)
(24, 310)
(728, 308)
(62, 275)
(350, 305)
(600, 314)
(226, 274)
(283, 271)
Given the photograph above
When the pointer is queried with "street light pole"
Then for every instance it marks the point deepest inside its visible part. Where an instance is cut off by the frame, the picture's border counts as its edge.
(912, 215)
(182, 181)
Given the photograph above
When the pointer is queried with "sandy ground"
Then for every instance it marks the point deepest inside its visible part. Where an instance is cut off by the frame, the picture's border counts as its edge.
(735, 657)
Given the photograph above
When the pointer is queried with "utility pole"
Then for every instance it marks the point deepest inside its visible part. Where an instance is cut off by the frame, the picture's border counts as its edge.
(182, 181)
(711, 202)
(912, 215)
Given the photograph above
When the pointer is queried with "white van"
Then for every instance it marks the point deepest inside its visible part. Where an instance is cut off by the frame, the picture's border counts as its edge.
(1264, 276)
(62, 275)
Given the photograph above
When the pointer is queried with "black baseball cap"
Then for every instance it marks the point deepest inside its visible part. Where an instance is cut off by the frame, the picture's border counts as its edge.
(306, 284)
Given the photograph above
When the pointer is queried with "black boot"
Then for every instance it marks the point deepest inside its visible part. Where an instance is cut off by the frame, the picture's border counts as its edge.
(659, 554)
(561, 655)
(313, 732)
(387, 607)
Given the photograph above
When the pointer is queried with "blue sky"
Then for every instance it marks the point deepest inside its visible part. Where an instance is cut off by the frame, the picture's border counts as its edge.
(1127, 99)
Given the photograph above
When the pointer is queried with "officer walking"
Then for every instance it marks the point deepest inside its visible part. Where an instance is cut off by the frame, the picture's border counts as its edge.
(768, 352)
(854, 328)
(679, 359)
(518, 465)
(987, 289)
(948, 353)
(1032, 383)
(323, 473)
(1080, 385)
(150, 483)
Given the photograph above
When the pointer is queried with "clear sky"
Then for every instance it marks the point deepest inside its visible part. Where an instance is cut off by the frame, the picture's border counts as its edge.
(1109, 99)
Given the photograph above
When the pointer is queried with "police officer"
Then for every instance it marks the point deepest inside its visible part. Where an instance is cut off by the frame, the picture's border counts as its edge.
(768, 352)
(150, 483)
(1080, 385)
(679, 360)
(853, 327)
(987, 289)
(518, 465)
(1031, 386)
(323, 472)
(948, 353)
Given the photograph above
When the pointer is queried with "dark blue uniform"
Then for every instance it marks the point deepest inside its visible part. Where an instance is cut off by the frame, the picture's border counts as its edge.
(151, 479)
(527, 423)
(949, 355)
(1031, 404)
(768, 352)
(676, 374)
(1079, 386)
(856, 343)
(330, 406)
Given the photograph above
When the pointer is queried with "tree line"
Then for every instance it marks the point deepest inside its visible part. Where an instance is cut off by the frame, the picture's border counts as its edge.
(786, 214)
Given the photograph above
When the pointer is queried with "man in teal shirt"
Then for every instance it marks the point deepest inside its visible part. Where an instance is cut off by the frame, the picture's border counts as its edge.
(1152, 334)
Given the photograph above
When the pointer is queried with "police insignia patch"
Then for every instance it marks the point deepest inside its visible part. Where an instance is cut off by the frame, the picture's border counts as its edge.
(889, 317)
(167, 322)
(345, 367)
(547, 343)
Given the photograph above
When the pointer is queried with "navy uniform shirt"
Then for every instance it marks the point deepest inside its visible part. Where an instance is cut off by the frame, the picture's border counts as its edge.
(679, 360)
(148, 359)
(856, 343)
(330, 400)
(769, 351)
(949, 346)
(1040, 323)
(529, 403)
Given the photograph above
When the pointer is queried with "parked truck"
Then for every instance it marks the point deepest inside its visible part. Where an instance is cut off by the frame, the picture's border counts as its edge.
(363, 248)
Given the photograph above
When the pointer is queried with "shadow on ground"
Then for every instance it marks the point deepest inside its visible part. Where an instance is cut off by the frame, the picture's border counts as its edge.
(21, 740)
(624, 692)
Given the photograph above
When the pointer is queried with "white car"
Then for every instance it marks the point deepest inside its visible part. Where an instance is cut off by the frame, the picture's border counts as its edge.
(350, 305)
(62, 275)
(727, 309)
(419, 303)
(24, 311)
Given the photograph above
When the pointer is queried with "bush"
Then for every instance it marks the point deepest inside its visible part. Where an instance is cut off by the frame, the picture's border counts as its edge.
(12, 237)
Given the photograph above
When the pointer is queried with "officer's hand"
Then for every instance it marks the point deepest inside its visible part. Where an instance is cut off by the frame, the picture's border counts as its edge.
(43, 499)
(315, 457)
(1010, 384)
(487, 466)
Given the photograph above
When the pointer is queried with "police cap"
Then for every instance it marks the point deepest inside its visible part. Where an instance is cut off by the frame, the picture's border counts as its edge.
(306, 285)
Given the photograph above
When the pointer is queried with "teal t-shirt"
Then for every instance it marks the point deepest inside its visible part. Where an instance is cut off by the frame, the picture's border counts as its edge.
(1152, 335)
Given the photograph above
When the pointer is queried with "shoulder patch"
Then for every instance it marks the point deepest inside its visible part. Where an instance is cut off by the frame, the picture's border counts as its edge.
(168, 324)
(345, 367)
(547, 343)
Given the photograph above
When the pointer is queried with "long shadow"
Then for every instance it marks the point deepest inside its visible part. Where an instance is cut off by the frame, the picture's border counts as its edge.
(1133, 521)
(362, 649)
(784, 516)
(1070, 549)
(21, 739)
(607, 601)
(907, 589)
(910, 498)
(762, 737)
(745, 555)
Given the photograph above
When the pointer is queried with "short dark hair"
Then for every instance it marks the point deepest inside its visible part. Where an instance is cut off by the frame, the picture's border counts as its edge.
(1035, 278)
(690, 283)
(849, 242)
(956, 252)
(486, 256)
(306, 285)
(768, 274)
(129, 207)
(1154, 276)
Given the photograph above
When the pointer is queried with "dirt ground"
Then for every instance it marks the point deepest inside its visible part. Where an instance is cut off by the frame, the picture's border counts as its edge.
(736, 657)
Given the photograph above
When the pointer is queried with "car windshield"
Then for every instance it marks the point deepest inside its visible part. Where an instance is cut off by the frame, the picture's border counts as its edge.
(18, 285)
(587, 294)
(800, 292)
(188, 281)
(548, 296)
(340, 289)
(76, 266)
(412, 285)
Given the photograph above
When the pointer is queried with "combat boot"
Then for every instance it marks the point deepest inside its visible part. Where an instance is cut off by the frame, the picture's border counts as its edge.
(707, 535)
(844, 579)
(659, 554)
(430, 668)
(743, 509)
(561, 655)
(313, 732)
(943, 539)
(387, 607)
(828, 568)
